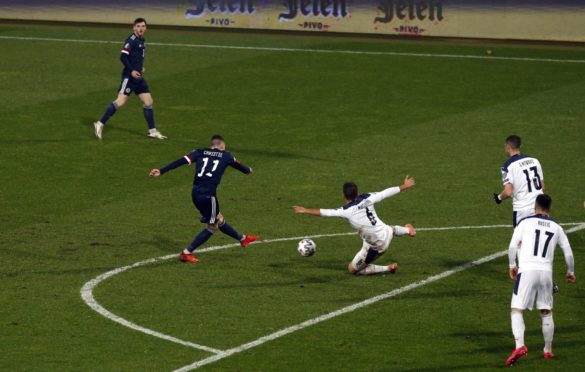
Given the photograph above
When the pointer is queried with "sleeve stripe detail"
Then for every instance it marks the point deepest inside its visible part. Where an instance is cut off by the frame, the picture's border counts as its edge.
(125, 51)
(188, 159)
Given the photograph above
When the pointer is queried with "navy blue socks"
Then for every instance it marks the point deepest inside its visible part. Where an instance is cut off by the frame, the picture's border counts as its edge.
(230, 231)
(111, 110)
(200, 239)
(149, 116)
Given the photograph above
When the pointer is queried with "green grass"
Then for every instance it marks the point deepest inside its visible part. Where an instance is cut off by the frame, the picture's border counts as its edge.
(73, 208)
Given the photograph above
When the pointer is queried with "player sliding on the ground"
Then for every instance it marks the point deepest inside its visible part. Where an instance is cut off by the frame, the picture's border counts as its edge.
(132, 57)
(534, 243)
(210, 164)
(359, 210)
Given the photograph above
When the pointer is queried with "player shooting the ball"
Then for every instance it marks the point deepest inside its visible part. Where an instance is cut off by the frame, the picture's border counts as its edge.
(376, 235)
(210, 164)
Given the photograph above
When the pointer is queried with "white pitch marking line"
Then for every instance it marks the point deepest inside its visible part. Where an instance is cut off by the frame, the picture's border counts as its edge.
(356, 306)
(88, 298)
(579, 226)
(306, 50)
(336, 313)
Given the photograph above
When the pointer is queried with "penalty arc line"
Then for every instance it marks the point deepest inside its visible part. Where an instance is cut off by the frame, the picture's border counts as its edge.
(88, 297)
(305, 50)
(350, 308)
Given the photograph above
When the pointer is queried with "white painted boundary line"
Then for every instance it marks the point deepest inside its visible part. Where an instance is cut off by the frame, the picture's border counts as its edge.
(87, 289)
(577, 227)
(306, 50)
(359, 305)
(336, 313)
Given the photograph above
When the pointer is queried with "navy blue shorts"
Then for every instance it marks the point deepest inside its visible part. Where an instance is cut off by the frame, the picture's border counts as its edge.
(207, 205)
(129, 85)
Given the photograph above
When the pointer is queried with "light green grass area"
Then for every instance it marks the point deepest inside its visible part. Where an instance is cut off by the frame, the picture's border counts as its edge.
(73, 207)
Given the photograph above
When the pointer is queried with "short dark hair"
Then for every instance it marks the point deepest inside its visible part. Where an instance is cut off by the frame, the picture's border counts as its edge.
(350, 190)
(139, 20)
(514, 141)
(544, 202)
(217, 137)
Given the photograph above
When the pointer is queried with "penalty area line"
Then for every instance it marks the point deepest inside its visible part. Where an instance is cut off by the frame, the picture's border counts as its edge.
(305, 50)
(88, 297)
(356, 306)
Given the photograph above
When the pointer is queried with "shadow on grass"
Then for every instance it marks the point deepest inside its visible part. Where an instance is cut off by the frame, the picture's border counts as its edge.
(87, 121)
(278, 154)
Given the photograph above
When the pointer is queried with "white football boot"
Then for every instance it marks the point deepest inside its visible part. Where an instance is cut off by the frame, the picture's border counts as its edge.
(99, 127)
(154, 133)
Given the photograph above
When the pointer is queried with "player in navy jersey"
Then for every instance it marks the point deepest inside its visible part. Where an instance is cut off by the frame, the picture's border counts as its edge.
(132, 57)
(210, 164)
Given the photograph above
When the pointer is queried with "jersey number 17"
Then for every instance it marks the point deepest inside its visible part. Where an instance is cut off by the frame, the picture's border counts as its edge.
(549, 236)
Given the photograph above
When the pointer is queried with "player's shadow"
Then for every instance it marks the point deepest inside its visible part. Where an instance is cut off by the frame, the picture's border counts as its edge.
(163, 244)
(533, 331)
(277, 154)
(88, 122)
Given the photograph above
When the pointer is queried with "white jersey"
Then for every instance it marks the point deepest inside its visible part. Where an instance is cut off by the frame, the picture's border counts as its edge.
(534, 242)
(362, 216)
(525, 175)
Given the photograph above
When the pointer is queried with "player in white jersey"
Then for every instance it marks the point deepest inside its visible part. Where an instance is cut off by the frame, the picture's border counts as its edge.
(360, 212)
(523, 180)
(533, 243)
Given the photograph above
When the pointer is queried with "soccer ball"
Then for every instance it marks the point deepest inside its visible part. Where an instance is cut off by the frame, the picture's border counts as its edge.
(307, 247)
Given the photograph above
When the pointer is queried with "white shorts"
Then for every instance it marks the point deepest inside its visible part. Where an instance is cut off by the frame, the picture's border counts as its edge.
(370, 251)
(531, 286)
(519, 215)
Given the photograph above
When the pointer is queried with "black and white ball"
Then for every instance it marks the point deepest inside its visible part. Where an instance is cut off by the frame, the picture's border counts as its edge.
(307, 247)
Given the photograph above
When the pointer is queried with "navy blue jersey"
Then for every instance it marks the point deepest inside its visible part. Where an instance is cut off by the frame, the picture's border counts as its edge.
(133, 54)
(210, 164)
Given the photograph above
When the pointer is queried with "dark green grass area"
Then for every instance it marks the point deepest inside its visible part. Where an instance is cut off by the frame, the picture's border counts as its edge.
(73, 208)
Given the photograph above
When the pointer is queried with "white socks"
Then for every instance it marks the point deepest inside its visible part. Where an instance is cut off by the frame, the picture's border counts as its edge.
(373, 269)
(548, 330)
(518, 328)
(400, 230)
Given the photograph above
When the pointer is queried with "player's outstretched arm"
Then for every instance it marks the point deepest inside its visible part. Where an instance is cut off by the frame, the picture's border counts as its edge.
(391, 191)
(177, 163)
(242, 167)
(408, 183)
(303, 210)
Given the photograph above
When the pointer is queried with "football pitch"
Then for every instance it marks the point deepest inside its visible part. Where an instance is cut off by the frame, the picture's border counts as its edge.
(88, 269)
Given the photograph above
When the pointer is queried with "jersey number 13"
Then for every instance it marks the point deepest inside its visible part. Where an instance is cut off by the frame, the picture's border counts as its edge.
(535, 181)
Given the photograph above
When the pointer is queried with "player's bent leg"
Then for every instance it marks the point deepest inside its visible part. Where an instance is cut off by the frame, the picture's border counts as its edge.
(359, 261)
(110, 111)
(518, 328)
(407, 229)
(227, 229)
(121, 100)
(361, 264)
(200, 239)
